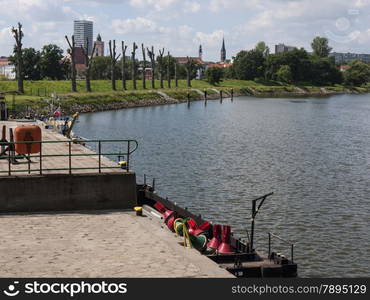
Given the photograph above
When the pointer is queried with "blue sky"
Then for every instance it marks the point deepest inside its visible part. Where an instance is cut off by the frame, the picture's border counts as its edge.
(181, 25)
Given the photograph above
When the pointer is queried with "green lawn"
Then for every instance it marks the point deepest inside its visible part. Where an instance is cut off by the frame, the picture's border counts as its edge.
(44, 87)
(36, 92)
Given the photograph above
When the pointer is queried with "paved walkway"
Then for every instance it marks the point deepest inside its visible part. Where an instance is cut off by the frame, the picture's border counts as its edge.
(57, 149)
(105, 244)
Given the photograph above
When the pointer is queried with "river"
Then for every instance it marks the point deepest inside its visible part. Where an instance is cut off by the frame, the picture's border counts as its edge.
(313, 153)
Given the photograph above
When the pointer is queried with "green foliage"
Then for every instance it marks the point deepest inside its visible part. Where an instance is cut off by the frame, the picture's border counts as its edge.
(324, 71)
(262, 48)
(284, 74)
(31, 63)
(320, 46)
(214, 75)
(358, 74)
(52, 64)
(249, 65)
(297, 60)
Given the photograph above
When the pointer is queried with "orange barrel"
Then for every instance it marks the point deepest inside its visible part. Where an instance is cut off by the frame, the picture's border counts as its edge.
(27, 134)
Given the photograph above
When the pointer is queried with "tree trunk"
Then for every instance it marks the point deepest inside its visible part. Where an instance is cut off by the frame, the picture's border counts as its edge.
(168, 71)
(144, 66)
(124, 48)
(176, 80)
(88, 83)
(134, 66)
(18, 36)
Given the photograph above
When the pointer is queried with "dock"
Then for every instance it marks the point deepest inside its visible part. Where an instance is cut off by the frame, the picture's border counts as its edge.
(64, 220)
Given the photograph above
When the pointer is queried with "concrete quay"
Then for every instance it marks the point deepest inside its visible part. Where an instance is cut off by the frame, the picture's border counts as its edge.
(82, 224)
(96, 244)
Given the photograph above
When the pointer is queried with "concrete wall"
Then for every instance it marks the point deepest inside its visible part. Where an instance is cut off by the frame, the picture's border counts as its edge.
(67, 192)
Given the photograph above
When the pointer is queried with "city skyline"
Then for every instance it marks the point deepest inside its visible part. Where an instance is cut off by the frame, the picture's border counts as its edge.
(191, 23)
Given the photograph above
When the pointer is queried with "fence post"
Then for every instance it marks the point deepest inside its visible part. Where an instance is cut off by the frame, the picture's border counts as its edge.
(70, 158)
(128, 156)
(99, 156)
(40, 158)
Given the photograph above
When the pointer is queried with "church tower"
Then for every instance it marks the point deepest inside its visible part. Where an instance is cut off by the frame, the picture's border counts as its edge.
(200, 52)
(223, 51)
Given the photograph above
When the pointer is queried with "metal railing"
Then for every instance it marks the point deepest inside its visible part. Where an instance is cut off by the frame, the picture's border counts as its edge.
(9, 153)
(284, 241)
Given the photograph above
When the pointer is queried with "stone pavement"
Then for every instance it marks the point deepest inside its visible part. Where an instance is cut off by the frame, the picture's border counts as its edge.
(57, 149)
(100, 244)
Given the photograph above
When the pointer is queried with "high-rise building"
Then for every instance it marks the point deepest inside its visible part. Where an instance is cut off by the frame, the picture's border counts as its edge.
(200, 52)
(281, 48)
(223, 51)
(348, 57)
(84, 30)
(99, 46)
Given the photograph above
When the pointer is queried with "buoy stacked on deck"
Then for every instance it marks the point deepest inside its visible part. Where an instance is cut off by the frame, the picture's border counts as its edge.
(169, 216)
(197, 235)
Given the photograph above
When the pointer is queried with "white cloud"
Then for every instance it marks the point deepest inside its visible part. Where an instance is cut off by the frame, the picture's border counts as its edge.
(191, 6)
(212, 39)
(138, 25)
(158, 5)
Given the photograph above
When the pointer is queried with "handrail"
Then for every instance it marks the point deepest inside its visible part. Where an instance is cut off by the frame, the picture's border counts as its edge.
(12, 155)
(283, 240)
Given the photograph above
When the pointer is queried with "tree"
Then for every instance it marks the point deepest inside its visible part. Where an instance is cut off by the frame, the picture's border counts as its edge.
(72, 53)
(101, 68)
(190, 66)
(144, 66)
(52, 63)
(323, 71)
(284, 74)
(133, 66)
(249, 65)
(160, 67)
(151, 55)
(113, 61)
(262, 48)
(18, 36)
(123, 61)
(85, 52)
(31, 63)
(298, 60)
(169, 70)
(214, 75)
(320, 46)
(175, 75)
(357, 74)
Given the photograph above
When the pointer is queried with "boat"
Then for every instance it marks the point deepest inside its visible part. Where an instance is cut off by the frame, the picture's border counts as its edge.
(245, 261)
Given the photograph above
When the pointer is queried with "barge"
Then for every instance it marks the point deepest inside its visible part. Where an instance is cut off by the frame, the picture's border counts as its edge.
(244, 260)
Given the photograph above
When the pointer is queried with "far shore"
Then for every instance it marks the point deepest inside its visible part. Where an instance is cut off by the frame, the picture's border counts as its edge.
(38, 95)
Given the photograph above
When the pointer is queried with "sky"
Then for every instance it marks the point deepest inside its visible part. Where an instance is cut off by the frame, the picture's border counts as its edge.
(180, 26)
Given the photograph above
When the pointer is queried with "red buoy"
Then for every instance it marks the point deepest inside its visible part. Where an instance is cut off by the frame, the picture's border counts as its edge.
(225, 247)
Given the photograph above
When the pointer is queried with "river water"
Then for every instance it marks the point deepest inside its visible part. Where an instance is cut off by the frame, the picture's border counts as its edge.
(313, 153)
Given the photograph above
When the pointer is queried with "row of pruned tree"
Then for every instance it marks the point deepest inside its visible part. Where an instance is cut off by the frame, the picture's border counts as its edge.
(164, 64)
(159, 61)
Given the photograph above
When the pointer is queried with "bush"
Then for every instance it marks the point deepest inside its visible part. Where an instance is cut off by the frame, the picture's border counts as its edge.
(214, 75)
(284, 74)
(358, 74)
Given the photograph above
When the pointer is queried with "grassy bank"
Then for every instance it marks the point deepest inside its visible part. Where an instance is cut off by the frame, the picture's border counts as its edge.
(103, 98)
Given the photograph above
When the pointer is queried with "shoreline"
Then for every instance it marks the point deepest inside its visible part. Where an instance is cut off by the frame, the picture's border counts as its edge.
(71, 103)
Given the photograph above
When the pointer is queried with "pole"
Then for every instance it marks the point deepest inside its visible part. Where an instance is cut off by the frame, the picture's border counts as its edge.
(252, 229)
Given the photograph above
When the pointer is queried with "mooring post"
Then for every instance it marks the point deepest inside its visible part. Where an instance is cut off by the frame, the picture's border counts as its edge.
(188, 95)
(232, 94)
(221, 96)
(252, 227)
